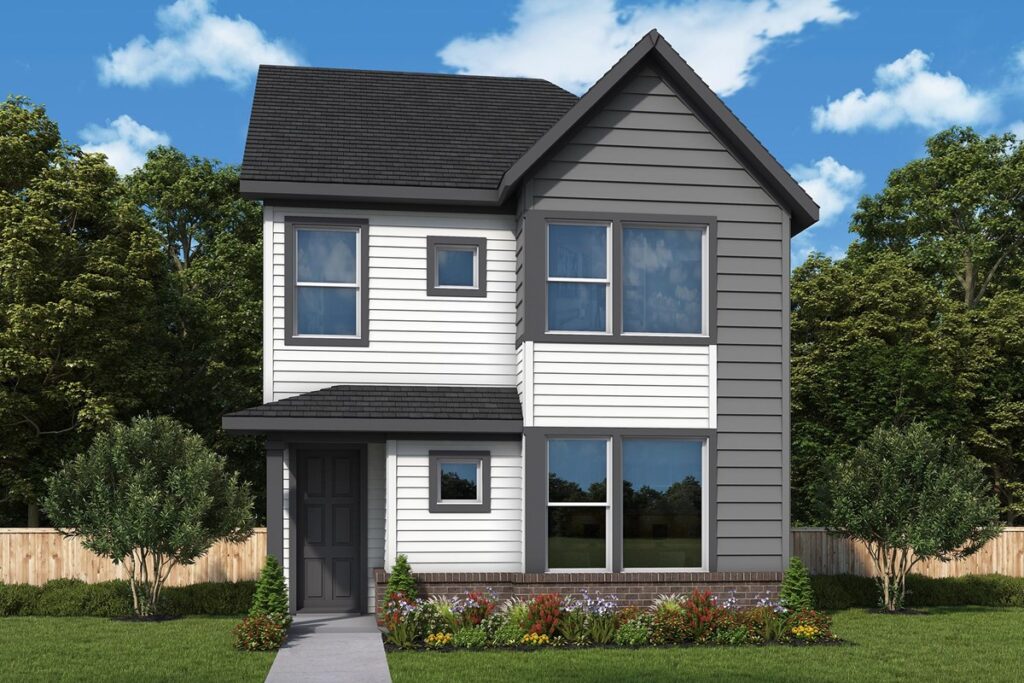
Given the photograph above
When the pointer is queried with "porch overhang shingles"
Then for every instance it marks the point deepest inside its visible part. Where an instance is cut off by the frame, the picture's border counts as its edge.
(386, 408)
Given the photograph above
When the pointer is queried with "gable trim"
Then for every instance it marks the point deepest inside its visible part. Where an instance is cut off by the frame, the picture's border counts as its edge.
(695, 93)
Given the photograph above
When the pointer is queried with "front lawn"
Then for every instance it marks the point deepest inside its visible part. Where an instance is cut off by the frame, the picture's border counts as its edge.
(100, 649)
(978, 644)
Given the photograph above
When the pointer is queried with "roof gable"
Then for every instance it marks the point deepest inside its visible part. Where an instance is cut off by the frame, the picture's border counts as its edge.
(697, 95)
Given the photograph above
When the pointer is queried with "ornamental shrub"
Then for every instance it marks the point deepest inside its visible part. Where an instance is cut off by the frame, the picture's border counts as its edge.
(508, 633)
(636, 631)
(796, 592)
(808, 626)
(544, 614)
(843, 591)
(668, 627)
(701, 616)
(401, 579)
(474, 608)
(470, 638)
(271, 598)
(573, 626)
(259, 633)
(397, 615)
(74, 598)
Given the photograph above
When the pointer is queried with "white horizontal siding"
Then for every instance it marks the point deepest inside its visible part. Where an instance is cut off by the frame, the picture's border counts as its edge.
(414, 339)
(456, 542)
(621, 385)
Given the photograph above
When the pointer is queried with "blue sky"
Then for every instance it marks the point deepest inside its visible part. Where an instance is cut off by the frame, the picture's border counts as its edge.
(122, 76)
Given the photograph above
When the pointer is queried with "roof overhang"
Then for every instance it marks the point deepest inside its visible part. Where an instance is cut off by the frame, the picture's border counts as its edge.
(263, 425)
(697, 95)
(357, 192)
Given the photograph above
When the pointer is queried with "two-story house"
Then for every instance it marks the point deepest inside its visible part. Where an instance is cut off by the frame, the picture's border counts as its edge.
(529, 340)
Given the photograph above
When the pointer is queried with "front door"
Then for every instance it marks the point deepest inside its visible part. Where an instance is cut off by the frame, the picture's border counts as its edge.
(330, 530)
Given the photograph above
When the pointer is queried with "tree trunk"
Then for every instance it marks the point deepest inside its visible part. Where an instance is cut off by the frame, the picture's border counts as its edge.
(33, 516)
(968, 280)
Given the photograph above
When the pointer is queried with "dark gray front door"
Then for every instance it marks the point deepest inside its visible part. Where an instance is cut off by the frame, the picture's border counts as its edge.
(330, 530)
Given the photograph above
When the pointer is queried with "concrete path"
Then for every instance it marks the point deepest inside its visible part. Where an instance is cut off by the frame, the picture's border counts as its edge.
(331, 647)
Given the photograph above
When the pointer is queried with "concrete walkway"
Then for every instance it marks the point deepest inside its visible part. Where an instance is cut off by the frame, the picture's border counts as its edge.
(331, 647)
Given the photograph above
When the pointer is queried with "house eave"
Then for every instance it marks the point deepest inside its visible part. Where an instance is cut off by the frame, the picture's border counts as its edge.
(357, 192)
(263, 425)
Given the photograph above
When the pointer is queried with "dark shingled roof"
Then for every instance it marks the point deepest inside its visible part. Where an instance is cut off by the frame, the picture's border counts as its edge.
(398, 402)
(392, 128)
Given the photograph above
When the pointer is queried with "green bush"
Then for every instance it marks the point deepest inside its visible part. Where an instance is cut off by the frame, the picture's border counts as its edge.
(796, 593)
(844, 591)
(74, 598)
(401, 579)
(271, 598)
(259, 633)
(471, 638)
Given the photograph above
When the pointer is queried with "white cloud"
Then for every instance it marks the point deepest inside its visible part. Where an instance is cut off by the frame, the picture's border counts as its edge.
(573, 42)
(194, 42)
(1017, 128)
(832, 185)
(908, 93)
(124, 140)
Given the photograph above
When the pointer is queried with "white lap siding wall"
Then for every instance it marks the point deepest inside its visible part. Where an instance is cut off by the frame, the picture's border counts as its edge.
(414, 338)
(454, 541)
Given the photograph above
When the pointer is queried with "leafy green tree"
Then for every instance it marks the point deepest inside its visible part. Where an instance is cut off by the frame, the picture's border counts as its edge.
(909, 496)
(212, 241)
(401, 579)
(151, 496)
(873, 343)
(79, 290)
(956, 213)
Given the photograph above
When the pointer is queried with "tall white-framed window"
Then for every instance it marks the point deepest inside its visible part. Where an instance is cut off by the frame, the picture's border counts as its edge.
(327, 269)
(664, 280)
(665, 509)
(578, 278)
(579, 504)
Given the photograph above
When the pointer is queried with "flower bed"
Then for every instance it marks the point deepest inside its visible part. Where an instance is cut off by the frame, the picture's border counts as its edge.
(476, 621)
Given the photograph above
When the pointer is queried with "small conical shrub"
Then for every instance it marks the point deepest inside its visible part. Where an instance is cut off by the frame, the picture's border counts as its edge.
(401, 579)
(795, 593)
(271, 597)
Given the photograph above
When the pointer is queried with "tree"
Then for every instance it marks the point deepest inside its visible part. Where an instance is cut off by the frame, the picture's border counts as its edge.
(956, 212)
(79, 287)
(873, 343)
(271, 597)
(211, 239)
(796, 593)
(909, 496)
(150, 496)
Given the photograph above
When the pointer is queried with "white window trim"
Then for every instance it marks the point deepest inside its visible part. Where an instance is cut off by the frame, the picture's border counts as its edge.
(705, 283)
(607, 505)
(441, 462)
(356, 284)
(476, 266)
(606, 280)
(705, 513)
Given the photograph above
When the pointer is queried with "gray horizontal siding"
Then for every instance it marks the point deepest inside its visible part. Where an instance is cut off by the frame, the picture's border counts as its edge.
(647, 152)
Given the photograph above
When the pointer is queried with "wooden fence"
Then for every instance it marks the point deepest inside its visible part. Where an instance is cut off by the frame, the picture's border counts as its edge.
(824, 554)
(38, 555)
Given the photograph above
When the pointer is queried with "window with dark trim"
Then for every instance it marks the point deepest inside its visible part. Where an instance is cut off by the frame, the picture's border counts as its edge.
(620, 278)
(456, 266)
(460, 481)
(579, 470)
(325, 282)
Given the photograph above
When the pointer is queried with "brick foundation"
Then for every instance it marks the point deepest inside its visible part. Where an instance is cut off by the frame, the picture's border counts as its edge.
(631, 588)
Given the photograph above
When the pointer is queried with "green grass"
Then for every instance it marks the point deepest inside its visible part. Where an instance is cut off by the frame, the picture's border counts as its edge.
(977, 644)
(99, 649)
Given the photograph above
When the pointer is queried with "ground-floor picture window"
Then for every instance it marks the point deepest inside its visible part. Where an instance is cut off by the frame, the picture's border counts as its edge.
(625, 502)
(661, 503)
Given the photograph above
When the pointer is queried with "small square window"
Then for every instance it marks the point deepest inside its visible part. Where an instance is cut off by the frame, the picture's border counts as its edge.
(460, 481)
(456, 266)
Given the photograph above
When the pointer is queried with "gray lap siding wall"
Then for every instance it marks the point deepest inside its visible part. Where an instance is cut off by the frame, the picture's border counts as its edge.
(646, 152)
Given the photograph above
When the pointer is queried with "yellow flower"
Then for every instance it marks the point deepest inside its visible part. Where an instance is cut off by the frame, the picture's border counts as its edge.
(806, 631)
(438, 639)
(535, 639)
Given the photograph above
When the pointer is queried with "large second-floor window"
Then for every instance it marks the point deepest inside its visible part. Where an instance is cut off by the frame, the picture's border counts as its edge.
(326, 299)
(578, 283)
(662, 280)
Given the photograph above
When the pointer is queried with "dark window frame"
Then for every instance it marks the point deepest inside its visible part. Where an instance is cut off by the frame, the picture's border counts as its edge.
(477, 243)
(483, 461)
(535, 280)
(292, 224)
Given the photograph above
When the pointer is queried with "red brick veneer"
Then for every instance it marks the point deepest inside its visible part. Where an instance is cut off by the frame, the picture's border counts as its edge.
(631, 588)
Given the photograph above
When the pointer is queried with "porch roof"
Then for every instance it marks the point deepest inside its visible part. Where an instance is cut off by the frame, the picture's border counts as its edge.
(350, 407)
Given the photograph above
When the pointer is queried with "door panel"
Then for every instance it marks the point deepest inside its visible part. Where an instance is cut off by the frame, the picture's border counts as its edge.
(330, 529)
